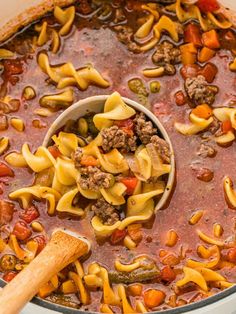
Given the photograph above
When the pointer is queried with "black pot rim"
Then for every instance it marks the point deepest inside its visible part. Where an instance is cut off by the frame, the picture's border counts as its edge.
(179, 310)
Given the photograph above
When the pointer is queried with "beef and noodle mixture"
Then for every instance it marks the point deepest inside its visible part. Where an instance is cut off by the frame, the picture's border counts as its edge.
(104, 173)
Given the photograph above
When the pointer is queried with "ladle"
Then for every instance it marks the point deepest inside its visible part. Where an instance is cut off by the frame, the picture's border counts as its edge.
(64, 246)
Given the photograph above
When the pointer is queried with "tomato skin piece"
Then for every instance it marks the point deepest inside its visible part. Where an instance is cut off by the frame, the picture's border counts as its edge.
(5, 171)
(30, 214)
(167, 274)
(208, 5)
(118, 236)
(9, 276)
(126, 125)
(40, 239)
(231, 255)
(226, 126)
(130, 183)
(54, 151)
(21, 231)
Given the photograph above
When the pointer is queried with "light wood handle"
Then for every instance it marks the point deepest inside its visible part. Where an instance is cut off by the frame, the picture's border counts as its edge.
(61, 250)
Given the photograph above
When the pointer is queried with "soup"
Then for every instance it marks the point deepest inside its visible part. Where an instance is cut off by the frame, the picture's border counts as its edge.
(170, 59)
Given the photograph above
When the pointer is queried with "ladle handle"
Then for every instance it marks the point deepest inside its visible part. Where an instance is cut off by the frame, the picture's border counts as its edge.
(61, 250)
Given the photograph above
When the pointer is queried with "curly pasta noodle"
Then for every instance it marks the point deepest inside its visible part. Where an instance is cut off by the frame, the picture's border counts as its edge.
(192, 12)
(197, 125)
(66, 75)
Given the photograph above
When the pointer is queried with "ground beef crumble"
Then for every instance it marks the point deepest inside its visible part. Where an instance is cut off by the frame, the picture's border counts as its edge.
(166, 52)
(107, 213)
(167, 55)
(162, 148)
(124, 35)
(143, 128)
(206, 151)
(114, 137)
(77, 157)
(93, 178)
(199, 91)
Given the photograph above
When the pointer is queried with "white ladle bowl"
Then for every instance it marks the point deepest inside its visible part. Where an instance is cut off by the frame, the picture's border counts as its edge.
(95, 104)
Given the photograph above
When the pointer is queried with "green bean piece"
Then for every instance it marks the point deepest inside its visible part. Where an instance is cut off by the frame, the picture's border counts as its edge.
(155, 87)
(83, 127)
(91, 126)
(137, 86)
(29, 93)
(7, 262)
(112, 181)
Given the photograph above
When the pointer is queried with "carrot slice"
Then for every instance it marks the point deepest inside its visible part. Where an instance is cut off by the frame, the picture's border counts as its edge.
(202, 111)
(153, 297)
(206, 54)
(210, 39)
(188, 53)
(88, 160)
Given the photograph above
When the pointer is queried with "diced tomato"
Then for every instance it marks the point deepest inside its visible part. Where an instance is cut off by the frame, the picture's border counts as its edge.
(118, 236)
(180, 98)
(192, 34)
(153, 298)
(5, 171)
(13, 67)
(135, 232)
(54, 151)
(190, 70)
(231, 255)
(88, 160)
(226, 126)
(21, 231)
(30, 214)
(210, 39)
(167, 274)
(9, 276)
(209, 71)
(6, 212)
(208, 5)
(126, 125)
(130, 183)
(41, 242)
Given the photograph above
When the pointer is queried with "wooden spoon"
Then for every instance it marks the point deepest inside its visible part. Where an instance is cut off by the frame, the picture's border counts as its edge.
(63, 248)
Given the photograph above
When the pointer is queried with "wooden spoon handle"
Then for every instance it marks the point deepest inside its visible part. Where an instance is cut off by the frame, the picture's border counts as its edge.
(61, 250)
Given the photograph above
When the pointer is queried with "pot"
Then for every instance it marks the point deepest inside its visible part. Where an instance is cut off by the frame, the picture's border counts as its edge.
(17, 14)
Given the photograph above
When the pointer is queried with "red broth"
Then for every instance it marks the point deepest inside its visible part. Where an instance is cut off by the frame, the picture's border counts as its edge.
(96, 43)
